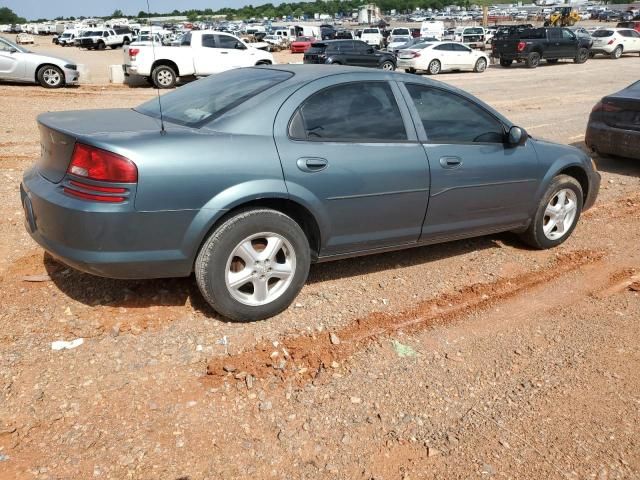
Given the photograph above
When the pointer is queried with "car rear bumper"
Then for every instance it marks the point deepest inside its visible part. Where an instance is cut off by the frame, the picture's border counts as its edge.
(613, 141)
(107, 240)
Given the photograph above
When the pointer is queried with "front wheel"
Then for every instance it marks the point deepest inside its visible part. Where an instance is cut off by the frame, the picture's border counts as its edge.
(480, 66)
(51, 76)
(582, 56)
(389, 66)
(253, 265)
(557, 214)
(164, 77)
(434, 67)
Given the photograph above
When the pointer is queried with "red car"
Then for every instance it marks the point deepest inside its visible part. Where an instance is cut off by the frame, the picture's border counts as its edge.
(302, 44)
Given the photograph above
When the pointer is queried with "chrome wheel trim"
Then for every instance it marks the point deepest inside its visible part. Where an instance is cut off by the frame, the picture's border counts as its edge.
(618, 52)
(481, 65)
(51, 77)
(560, 214)
(260, 269)
(387, 66)
(164, 77)
(434, 67)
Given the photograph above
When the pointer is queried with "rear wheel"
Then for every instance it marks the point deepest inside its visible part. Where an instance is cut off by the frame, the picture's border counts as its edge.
(481, 65)
(533, 60)
(505, 63)
(101, 46)
(582, 56)
(51, 76)
(253, 265)
(164, 76)
(557, 214)
(434, 67)
(387, 65)
(592, 54)
(617, 52)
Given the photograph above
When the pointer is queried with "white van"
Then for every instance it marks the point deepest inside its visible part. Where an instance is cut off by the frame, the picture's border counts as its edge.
(432, 28)
(67, 38)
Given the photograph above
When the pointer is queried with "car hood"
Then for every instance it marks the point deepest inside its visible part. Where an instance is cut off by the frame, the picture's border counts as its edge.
(61, 62)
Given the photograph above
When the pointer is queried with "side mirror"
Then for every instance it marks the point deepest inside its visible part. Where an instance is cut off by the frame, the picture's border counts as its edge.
(517, 136)
(13, 50)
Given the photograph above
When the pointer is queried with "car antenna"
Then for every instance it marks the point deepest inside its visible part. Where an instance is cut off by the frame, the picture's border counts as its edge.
(153, 50)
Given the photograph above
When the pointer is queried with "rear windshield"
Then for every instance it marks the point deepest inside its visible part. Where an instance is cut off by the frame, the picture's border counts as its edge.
(200, 102)
(401, 31)
(602, 33)
(473, 31)
(370, 30)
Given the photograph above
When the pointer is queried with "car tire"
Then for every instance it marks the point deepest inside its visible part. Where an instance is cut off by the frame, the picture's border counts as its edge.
(582, 56)
(388, 65)
(113, 47)
(101, 46)
(235, 247)
(505, 63)
(434, 67)
(547, 232)
(533, 60)
(164, 76)
(617, 52)
(592, 54)
(126, 41)
(50, 76)
(480, 66)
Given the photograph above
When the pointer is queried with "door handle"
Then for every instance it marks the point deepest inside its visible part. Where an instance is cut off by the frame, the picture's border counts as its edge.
(312, 164)
(450, 162)
(224, 53)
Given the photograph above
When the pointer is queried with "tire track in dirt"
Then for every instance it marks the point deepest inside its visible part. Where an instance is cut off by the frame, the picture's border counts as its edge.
(303, 358)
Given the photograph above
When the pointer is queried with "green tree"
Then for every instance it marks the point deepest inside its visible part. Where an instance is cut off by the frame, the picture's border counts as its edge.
(8, 16)
(117, 14)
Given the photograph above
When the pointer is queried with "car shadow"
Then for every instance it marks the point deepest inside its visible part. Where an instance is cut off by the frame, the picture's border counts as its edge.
(178, 292)
(612, 164)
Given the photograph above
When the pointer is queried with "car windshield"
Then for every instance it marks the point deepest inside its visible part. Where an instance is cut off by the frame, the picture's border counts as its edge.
(197, 103)
(402, 39)
(473, 31)
(8, 45)
(303, 39)
(65, 35)
(92, 34)
(602, 33)
(370, 30)
(401, 31)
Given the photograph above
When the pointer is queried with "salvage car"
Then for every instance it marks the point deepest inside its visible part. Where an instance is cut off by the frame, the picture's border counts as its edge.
(301, 44)
(531, 45)
(249, 176)
(349, 52)
(614, 124)
(17, 64)
(200, 53)
(615, 41)
(440, 57)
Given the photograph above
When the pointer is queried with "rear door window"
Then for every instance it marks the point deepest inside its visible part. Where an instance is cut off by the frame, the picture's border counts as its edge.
(363, 112)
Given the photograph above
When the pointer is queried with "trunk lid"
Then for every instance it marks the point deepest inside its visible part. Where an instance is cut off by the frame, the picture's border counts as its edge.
(622, 109)
(59, 132)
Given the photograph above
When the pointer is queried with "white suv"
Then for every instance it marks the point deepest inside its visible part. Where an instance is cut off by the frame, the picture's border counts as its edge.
(615, 41)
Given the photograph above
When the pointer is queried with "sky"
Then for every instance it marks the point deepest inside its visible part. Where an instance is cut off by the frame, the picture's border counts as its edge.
(31, 9)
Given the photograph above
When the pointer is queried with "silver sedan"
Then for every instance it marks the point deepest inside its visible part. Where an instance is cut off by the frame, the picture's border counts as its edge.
(17, 64)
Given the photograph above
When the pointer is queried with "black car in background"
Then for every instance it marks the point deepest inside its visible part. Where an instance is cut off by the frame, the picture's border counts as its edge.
(614, 124)
(349, 52)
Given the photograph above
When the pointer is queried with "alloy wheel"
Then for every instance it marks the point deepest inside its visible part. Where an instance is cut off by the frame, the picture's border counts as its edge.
(560, 214)
(164, 78)
(260, 269)
(52, 77)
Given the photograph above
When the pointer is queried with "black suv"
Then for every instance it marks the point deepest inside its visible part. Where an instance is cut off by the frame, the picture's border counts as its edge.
(349, 52)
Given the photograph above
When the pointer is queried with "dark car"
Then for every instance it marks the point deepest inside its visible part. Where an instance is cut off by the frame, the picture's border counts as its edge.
(344, 35)
(634, 25)
(327, 32)
(349, 52)
(260, 171)
(535, 44)
(614, 124)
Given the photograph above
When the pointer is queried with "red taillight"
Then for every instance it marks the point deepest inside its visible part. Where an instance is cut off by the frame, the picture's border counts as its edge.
(133, 52)
(521, 46)
(608, 107)
(597, 107)
(90, 196)
(97, 164)
(610, 42)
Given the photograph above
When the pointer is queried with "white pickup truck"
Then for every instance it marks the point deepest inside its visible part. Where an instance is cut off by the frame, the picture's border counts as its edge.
(101, 38)
(373, 37)
(201, 53)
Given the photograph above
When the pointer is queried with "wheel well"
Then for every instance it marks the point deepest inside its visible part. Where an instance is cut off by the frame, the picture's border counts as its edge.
(263, 62)
(166, 63)
(297, 212)
(40, 67)
(581, 176)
